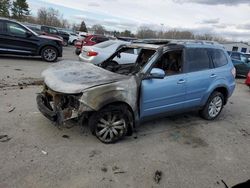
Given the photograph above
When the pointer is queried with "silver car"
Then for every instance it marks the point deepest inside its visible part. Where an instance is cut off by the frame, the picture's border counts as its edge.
(100, 52)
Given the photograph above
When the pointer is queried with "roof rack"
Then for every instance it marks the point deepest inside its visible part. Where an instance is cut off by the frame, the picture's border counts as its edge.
(193, 42)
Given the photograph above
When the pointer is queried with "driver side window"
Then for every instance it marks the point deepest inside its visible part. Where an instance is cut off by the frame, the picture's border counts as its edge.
(16, 30)
(171, 62)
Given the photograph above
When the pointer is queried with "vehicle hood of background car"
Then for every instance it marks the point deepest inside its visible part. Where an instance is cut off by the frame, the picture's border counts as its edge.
(72, 77)
(50, 38)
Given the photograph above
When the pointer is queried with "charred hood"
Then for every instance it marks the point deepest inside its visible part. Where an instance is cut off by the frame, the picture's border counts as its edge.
(74, 77)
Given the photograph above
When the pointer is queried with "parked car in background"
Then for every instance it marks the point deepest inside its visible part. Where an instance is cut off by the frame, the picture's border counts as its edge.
(97, 53)
(72, 38)
(164, 80)
(52, 31)
(90, 40)
(247, 82)
(241, 62)
(248, 56)
(17, 39)
(82, 35)
(65, 37)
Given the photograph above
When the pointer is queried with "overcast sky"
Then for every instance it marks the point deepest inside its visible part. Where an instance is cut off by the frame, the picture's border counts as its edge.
(227, 18)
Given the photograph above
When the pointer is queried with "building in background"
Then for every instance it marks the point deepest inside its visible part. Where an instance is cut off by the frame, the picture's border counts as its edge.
(237, 47)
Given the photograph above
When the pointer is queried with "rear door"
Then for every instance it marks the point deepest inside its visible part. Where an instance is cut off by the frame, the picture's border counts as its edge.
(200, 75)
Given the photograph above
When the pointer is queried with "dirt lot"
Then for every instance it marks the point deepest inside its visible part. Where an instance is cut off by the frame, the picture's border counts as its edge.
(186, 150)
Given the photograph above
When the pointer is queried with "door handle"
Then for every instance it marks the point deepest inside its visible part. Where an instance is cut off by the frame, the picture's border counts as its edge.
(213, 75)
(181, 81)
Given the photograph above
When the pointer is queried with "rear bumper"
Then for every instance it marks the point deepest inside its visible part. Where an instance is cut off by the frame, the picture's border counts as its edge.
(84, 59)
(43, 106)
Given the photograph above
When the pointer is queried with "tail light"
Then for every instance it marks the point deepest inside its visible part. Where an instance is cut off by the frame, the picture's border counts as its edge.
(92, 53)
(233, 72)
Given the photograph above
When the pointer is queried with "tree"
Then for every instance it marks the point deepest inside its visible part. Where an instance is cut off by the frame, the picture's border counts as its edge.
(145, 32)
(51, 17)
(4, 8)
(83, 27)
(98, 29)
(127, 33)
(20, 9)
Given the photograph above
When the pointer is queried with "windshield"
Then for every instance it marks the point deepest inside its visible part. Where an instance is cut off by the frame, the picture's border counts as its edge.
(128, 61)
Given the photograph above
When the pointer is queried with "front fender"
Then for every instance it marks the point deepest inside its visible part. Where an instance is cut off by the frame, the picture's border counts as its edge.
(125, 91)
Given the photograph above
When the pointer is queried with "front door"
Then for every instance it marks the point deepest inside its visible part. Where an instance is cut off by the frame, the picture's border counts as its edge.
(17, 39)
(163, 95)
(159, 96)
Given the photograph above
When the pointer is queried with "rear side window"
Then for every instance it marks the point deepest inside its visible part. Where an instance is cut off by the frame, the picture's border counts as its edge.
(197, 59)
(99, 39)
(218, 57)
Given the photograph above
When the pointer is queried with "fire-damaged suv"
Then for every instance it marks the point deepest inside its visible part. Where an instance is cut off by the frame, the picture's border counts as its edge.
(176, 77)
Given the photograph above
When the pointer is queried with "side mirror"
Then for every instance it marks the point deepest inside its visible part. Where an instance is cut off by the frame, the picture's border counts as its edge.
(28, 34)
(119, 55)
(157, 73)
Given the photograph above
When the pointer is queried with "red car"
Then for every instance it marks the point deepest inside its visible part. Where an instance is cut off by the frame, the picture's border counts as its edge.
(247, 82)
(90, 40)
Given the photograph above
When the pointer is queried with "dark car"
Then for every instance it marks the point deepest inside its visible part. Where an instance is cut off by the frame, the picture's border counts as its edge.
(90, 40)
(18, 39)
(65, 37)
(52, 31)
(241, 63)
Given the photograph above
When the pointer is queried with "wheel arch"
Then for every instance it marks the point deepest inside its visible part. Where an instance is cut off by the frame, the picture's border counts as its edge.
(220, 88)
(47, 45)
(131, 114)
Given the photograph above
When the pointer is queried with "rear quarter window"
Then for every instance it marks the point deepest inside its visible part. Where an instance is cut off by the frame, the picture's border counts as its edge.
(197, 59)
(218, 57)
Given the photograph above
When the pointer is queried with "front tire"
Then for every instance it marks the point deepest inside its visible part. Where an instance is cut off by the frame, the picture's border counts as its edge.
(110, 124)
(49, 54)
(213, 107)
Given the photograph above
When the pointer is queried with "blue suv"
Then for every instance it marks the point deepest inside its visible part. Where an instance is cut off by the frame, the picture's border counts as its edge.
(165, 79)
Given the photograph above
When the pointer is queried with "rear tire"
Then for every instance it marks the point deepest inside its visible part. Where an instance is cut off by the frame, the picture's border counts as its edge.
(110, 124)
(214, 106)
(49, 54)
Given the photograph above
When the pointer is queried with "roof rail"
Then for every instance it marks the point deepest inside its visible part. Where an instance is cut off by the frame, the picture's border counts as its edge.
(193, 42)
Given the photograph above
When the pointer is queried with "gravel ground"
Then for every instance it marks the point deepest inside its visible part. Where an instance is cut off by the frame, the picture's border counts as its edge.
(179, 151)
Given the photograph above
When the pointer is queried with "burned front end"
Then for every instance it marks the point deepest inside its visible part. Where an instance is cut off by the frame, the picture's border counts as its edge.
(59, 107)
(73, 89)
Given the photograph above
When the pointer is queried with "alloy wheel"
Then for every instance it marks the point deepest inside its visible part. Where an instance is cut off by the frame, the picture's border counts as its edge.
(110, 127)
(215, 106)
